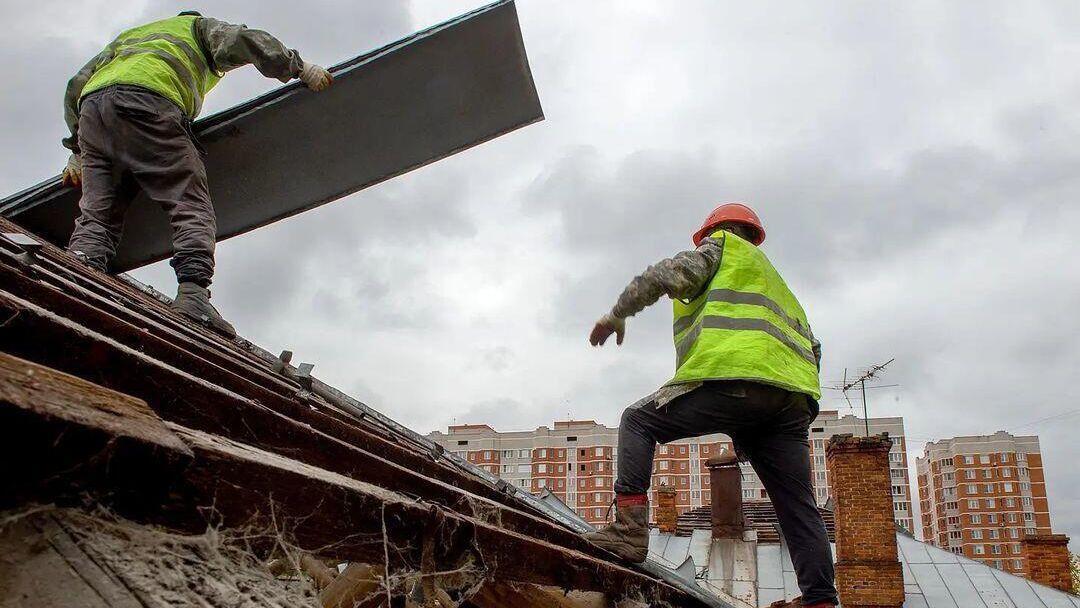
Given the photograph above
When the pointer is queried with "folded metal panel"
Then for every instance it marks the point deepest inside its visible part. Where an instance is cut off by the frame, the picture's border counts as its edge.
(389, 111)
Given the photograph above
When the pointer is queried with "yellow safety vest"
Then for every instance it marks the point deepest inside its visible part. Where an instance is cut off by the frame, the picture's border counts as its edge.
(747, 325)
(164, 57)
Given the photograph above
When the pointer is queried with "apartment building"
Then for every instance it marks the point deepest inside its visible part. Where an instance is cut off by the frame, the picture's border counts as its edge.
(576, 460)
(980, 495)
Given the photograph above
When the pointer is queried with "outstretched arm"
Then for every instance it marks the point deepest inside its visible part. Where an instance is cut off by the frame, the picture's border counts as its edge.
(230, 46)
(682, 277)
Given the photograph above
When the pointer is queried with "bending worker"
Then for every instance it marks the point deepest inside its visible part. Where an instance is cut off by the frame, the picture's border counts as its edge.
(746, 366)
(130, 110)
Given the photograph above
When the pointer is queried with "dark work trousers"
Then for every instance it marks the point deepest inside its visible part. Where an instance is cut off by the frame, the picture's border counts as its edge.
(769, 428)
(134, 140)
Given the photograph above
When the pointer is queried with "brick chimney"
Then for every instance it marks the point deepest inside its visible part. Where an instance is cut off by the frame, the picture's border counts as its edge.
(665, 509)
(1046, 560)
(725, 479)
(868, 573)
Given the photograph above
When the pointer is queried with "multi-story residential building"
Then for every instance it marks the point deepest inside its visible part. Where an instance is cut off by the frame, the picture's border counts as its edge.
(576, 461)
(980, 495)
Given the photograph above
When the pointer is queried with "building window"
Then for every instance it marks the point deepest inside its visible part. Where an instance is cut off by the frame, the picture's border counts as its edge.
(1007, 487)
(952, 506)
(597, 482)
(597, 497)
(989, 488)
(523, 453)
(969, 460)
(992, 534)
(508, 453)
(898, 490)
(976, 519)
(954, 521)
(984, 459)
(976, 534)
(541, 483)
(541, 453)
(978, 550)
(1006, 472)
(506, 468)
(663, 465)
(896, 457)
(748, 493)
(541, 468)
(1017, 564)
(663, 449)
(972, 488)
(524, 468)
(1028, 516)
(524, 482)
(973, 504)
(1010, 502)
(1026, 501)
(598, 513)
(946, 462)
(988, 474)
(995, 549)
(991, 518)
(1011, 518)
(969, 474)
(899, 506)
(956, 534)
(898, 473)
(1015, 550)
(991, 503)
(599, 451)
(463, 442)
(571, 438)
(562, 454)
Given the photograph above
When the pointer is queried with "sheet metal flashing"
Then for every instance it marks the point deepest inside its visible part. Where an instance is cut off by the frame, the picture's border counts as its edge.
(415, 101)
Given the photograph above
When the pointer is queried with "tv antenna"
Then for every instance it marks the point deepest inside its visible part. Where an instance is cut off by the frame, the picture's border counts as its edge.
(870, 374)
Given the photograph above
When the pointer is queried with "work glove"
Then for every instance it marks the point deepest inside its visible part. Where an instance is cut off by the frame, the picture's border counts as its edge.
(72, 174)
(315, 77)
(607, 325)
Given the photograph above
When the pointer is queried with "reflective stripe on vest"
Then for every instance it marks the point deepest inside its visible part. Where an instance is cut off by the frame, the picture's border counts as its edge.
(747, 325)
(184, 79)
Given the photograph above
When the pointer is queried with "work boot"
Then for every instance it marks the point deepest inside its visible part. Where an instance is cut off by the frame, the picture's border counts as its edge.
(628, 535)
(194, 301)
(96, 263)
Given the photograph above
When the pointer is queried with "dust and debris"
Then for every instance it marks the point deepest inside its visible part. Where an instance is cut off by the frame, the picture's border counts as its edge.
(117, 558)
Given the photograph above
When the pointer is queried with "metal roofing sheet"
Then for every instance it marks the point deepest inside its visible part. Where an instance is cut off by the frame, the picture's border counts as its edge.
(933, 587)
(992, 593)
(1020, 592)
(391, 110)
(960, 586)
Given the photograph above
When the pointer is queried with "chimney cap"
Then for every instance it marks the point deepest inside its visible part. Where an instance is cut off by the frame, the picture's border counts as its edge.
(723, 459)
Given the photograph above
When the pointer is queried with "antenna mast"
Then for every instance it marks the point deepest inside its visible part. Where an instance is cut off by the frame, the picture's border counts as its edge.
(872, 373)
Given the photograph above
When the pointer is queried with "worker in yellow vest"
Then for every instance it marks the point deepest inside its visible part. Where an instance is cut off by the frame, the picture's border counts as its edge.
(129, 111)
(746, 365)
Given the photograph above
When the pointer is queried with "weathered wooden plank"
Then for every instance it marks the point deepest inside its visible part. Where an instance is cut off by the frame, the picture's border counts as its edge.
(55, 428)
(192, 401)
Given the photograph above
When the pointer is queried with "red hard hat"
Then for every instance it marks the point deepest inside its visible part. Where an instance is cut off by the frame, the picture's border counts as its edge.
(730, 212)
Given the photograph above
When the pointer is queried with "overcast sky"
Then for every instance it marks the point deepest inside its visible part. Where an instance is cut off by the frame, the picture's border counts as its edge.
(916, 165)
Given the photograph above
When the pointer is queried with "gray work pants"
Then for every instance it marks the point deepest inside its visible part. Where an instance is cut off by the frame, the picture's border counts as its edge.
(134, 140)
(769, 428)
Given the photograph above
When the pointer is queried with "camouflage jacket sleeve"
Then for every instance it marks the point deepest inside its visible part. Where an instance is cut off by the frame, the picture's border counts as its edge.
(682, 277)
(229, 46)
(74, 92)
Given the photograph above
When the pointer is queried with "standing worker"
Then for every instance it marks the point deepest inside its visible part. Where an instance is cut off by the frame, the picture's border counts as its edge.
(746, 365)
(130, 110)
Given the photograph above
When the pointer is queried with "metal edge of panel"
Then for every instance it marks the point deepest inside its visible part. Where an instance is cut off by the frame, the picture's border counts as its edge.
(30, 197)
